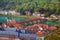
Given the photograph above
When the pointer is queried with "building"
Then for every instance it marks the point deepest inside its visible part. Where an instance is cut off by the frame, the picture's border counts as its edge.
(4, 12)
(28, 13)
(37, 14)
(12, 12)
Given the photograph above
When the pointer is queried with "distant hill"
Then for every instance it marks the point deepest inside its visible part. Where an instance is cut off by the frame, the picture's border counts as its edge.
(24, 5)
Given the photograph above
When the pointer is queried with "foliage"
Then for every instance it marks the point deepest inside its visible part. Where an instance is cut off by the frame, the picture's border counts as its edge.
(24, 5)
(57, 25)
(53, 36)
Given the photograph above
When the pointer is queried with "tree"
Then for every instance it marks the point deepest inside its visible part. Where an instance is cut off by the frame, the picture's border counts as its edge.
(53, 5)
(57, 25)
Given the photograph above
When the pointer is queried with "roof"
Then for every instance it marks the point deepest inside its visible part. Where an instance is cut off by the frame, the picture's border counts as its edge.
(51, 28)
(42, 25)
(39, 33)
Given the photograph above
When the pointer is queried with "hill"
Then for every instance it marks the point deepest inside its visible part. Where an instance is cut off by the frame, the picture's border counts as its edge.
(51, 6)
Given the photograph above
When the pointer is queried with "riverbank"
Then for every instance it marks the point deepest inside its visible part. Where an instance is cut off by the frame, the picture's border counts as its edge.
(19, 16)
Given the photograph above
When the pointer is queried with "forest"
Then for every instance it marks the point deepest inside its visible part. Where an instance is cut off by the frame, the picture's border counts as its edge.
(49, 6)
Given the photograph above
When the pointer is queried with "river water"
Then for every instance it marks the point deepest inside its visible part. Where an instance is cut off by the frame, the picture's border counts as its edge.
(3, 19)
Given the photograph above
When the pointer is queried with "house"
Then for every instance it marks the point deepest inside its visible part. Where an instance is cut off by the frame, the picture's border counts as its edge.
(51, 29)
(47, 18)
(54, 16)
(28, 13)
(44, 26)
(37, 14)
(42, 15)
(12, 12)
(4, 12)
(17, 13)
(39, 33)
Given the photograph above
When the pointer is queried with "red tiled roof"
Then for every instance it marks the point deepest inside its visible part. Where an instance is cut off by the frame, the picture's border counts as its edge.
(39, 33)
(42, 25)
(51, 28)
